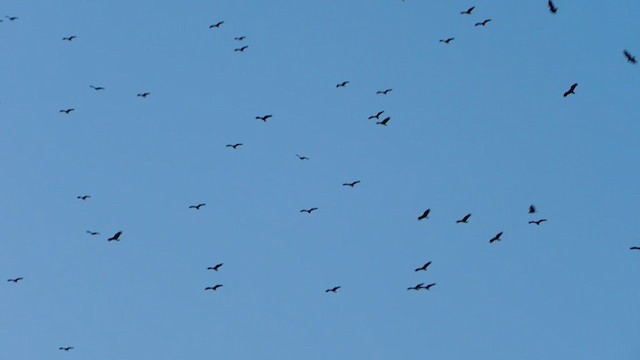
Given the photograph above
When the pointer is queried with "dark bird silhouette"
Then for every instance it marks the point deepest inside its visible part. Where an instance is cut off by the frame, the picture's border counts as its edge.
(83, 197)
(496, 238)
(264, 118)
(425, 215)
(241, 49)
(352, 184)
(483, 23)
(93, 233)
(308, 211)
(571, 90)
(239, 38)
(376, 116)
(417, 287)
(15, 280)
(12, 18)
(552, 7)
(96, 88)
(532, 209)
(634, 248)
(216, 25)
(215, 268)
(447, 41)
(538, 222)
(235, 146)
(214, 288)
(144, 95)
(67, 111)
(197, 207)
(630, 58)
(384, 92)
(468, 11)
(66, 348)
(428, 287)
(69, 38)
(342, 84)
(333, 289)
(302, 157)
(384, 122)
(115, 237)
(424, 267)
(464, 220)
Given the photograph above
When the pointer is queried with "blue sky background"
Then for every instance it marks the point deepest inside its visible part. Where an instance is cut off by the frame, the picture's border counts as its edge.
(478, 126)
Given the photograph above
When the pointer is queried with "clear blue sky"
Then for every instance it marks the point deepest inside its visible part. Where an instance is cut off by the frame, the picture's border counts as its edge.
(478, 126)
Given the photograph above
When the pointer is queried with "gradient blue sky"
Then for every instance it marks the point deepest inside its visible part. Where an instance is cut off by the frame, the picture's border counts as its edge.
(478, 126)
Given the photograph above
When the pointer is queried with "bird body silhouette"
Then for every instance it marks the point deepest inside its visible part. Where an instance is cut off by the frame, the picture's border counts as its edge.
(342, 84)
(384, 122)
(214, 288)
(447, 41)
(571, 91)
(84, 197)
(239, 38)
(333, 289)
(69, 38)
(144, 94)
(309, 211)
(241, 49)
(417, 287)
(15, 280)
(376, 116)
(235, 146)
(96, 88)
(483, 23)
(464, 220)
(93, 233)
(115, 237)
(264, 118)
(552, 7)
(538, 222)
(302, 157)
(496, 238)
(532, 209)
(630, 58)
(468, 11)
(423, 267)
(216, 25)
(66, 348)
(197, 207)
(384, 92)
(351, 184)
(67, 111)
(215, 268)
(634, 248)
(425, 215)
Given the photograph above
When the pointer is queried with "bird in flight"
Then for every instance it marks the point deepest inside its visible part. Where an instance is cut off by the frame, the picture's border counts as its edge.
(144, 95)
(302, 157)
(532, 209)
(417, 287)
(630, 58)
(214, 288)
(384, 122)
(571, 90)
(308, 211)
(538, 222)
(384, 92)
(115, 237)
(241, 49)
(552, 7)
(83, 197)
(376, 116)
(342, 84)
(496, 238)
(96, 88)
(464, 220)
(93, 233)
(333, 289)
(197, 207)
(69, 38)
(216, 25)
(264, 118)
(428, 287)
(447, 41)
(634, 248)
(423, 267)
(66, 348)
(215, 268)
(15, 280)
(425, 215)
(235, 146)
(67, 111)
(239, 38)
(352, 184)
(468, 11)
(483, 23)
(12, 18)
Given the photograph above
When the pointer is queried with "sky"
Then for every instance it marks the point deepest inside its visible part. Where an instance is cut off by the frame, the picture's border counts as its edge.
(478, 126)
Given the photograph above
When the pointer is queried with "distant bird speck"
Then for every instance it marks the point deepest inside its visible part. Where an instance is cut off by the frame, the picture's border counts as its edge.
(425, 215)
(66, 348)
(384, 122)
(342, 84)
(67, 111)
(468, 11)
(197, 207)
(241, 49)
(630, 58)
(447, 41)
(144, 95)
(84, 197)
(464, 220)
(235, 146)
(483, 23)
(69, 38)
(15, 280)
(532, 209)
(214, 288)
(309, 211)
(351, 184)
(215, 268)
(552, 7)
(216, 25)
(537, 222)
(384, 92)
(96, 88)
(115, 237)
(496, 238)
(264, 118)
(93, 233)
(333, 289)
(239, 38)
(572, 90)
(302, 157)
(423, 267)
(376, 116)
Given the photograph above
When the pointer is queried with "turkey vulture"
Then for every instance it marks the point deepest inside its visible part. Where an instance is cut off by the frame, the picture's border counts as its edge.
(634, 248)
(447, 41)
(302, 157)
(428, 287)
(376, 116)
(197, 207)
(15, 280)
(309, 210)
(83, 197)
(342, 84)
(384, 122)
(552, 7)
(424, 267)
(115, 237)
(264, 118)
(464, 220)
(67, 111)
(216, 25)
(333, 289)
(468, 11)
(241, 49)
(384, 92)
(532, 209)
(93, 233)
(352, 184)
(538, 222)
(417, 287)
(496, 238)
(425, 215)
(214, 288)
(483, 23)
(96, 88)
(571, 90)
(66, 348)
(235, 146)
(630, 58)
(69, 38)
(215, 268)
(144, 95)
(239, 38)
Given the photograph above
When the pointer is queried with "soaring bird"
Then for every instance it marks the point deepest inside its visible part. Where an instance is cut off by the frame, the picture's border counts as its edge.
(93, 233)
(352, 184)
(264, 118)
(83, 197)
(417, 287)
(15, 280)
(464, 220)
(197, 207)
(538, 222)
(12, 18)
(425, 215)
(308, 211)
(571, 90)
(342, 84)
(235, 146)
(634, 248)
(239, 38)
(552, 7)
(532, 209)
(216, 25)
(630, 58)
(333, 289)
(215, 268)
(115, 237)
(384, 122)
(384, 92)
(214, 288)
(483, 23)
(496, 238)
(67, 111)
(468, 11)
(144, 95)
(447, 41)
(428, 287)
(96, 88)
(423, 267)
(302, 157)
(376, 116)
(66, 348)
(69, 38)
(241, 49)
